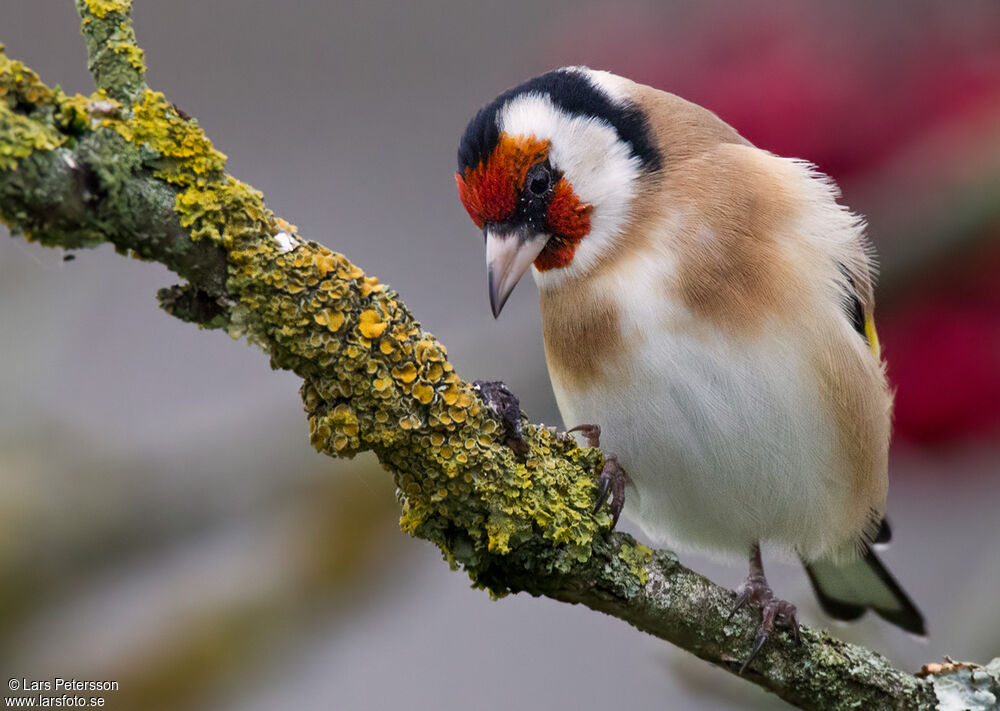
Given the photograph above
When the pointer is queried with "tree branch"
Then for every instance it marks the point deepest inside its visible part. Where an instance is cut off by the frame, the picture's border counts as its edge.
(126, 167)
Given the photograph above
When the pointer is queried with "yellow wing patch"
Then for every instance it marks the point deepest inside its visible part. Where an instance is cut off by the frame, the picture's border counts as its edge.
(872, 337)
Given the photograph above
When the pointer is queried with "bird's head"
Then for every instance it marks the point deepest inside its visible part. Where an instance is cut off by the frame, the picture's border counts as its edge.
(548, 170)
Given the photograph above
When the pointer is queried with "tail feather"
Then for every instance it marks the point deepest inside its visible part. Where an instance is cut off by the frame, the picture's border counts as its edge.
(846, 590)
(884, 534)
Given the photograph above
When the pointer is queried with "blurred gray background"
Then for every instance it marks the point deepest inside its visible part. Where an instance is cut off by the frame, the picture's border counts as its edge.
(163, 519)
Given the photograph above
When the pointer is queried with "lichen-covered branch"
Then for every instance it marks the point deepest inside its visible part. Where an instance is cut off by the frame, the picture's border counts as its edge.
(114, 58)
(126, 167)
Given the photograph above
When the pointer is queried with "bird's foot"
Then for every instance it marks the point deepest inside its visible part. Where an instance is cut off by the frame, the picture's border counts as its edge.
(774, 612)
(611, 480)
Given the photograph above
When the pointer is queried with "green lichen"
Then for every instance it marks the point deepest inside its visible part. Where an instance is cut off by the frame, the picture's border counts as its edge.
(122, 41)
(636, 557)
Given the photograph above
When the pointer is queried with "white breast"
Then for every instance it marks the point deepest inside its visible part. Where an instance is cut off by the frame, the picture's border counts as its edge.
(725, 440)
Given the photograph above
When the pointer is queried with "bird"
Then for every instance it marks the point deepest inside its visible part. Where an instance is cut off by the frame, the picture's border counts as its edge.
(708, 307)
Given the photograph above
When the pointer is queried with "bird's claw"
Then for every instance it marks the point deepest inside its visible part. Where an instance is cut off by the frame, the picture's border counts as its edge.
(591, 433)
(603, 489)
(612, 478)
(774, 612)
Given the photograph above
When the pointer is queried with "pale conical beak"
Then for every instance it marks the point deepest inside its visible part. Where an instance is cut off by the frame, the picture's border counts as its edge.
(508, 256)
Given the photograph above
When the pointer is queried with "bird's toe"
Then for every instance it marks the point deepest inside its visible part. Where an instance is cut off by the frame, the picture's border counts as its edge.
(612, 480)
(774, 613)
(591, 433)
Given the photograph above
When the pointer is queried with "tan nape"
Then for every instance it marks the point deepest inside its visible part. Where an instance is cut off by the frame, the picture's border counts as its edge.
(737, 265)
(681, 129)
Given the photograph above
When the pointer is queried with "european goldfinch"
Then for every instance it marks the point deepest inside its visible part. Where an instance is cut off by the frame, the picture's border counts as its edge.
(709, 305)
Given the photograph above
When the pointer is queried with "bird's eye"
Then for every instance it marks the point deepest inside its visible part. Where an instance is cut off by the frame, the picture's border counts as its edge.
(539, 180)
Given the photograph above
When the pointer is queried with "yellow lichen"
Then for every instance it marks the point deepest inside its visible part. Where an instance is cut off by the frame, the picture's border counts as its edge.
(637, 558)
(21, 85)
(423, 393)
(405, 373)
(188, 157)
(325, 263)
(450, 394)
(368, 285)
(22, 92)
(20, 137)
(100, 8)
(122, 41)
(371, 324)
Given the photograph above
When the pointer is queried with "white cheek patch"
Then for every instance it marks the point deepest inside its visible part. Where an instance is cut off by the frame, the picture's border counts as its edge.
(597, 163)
